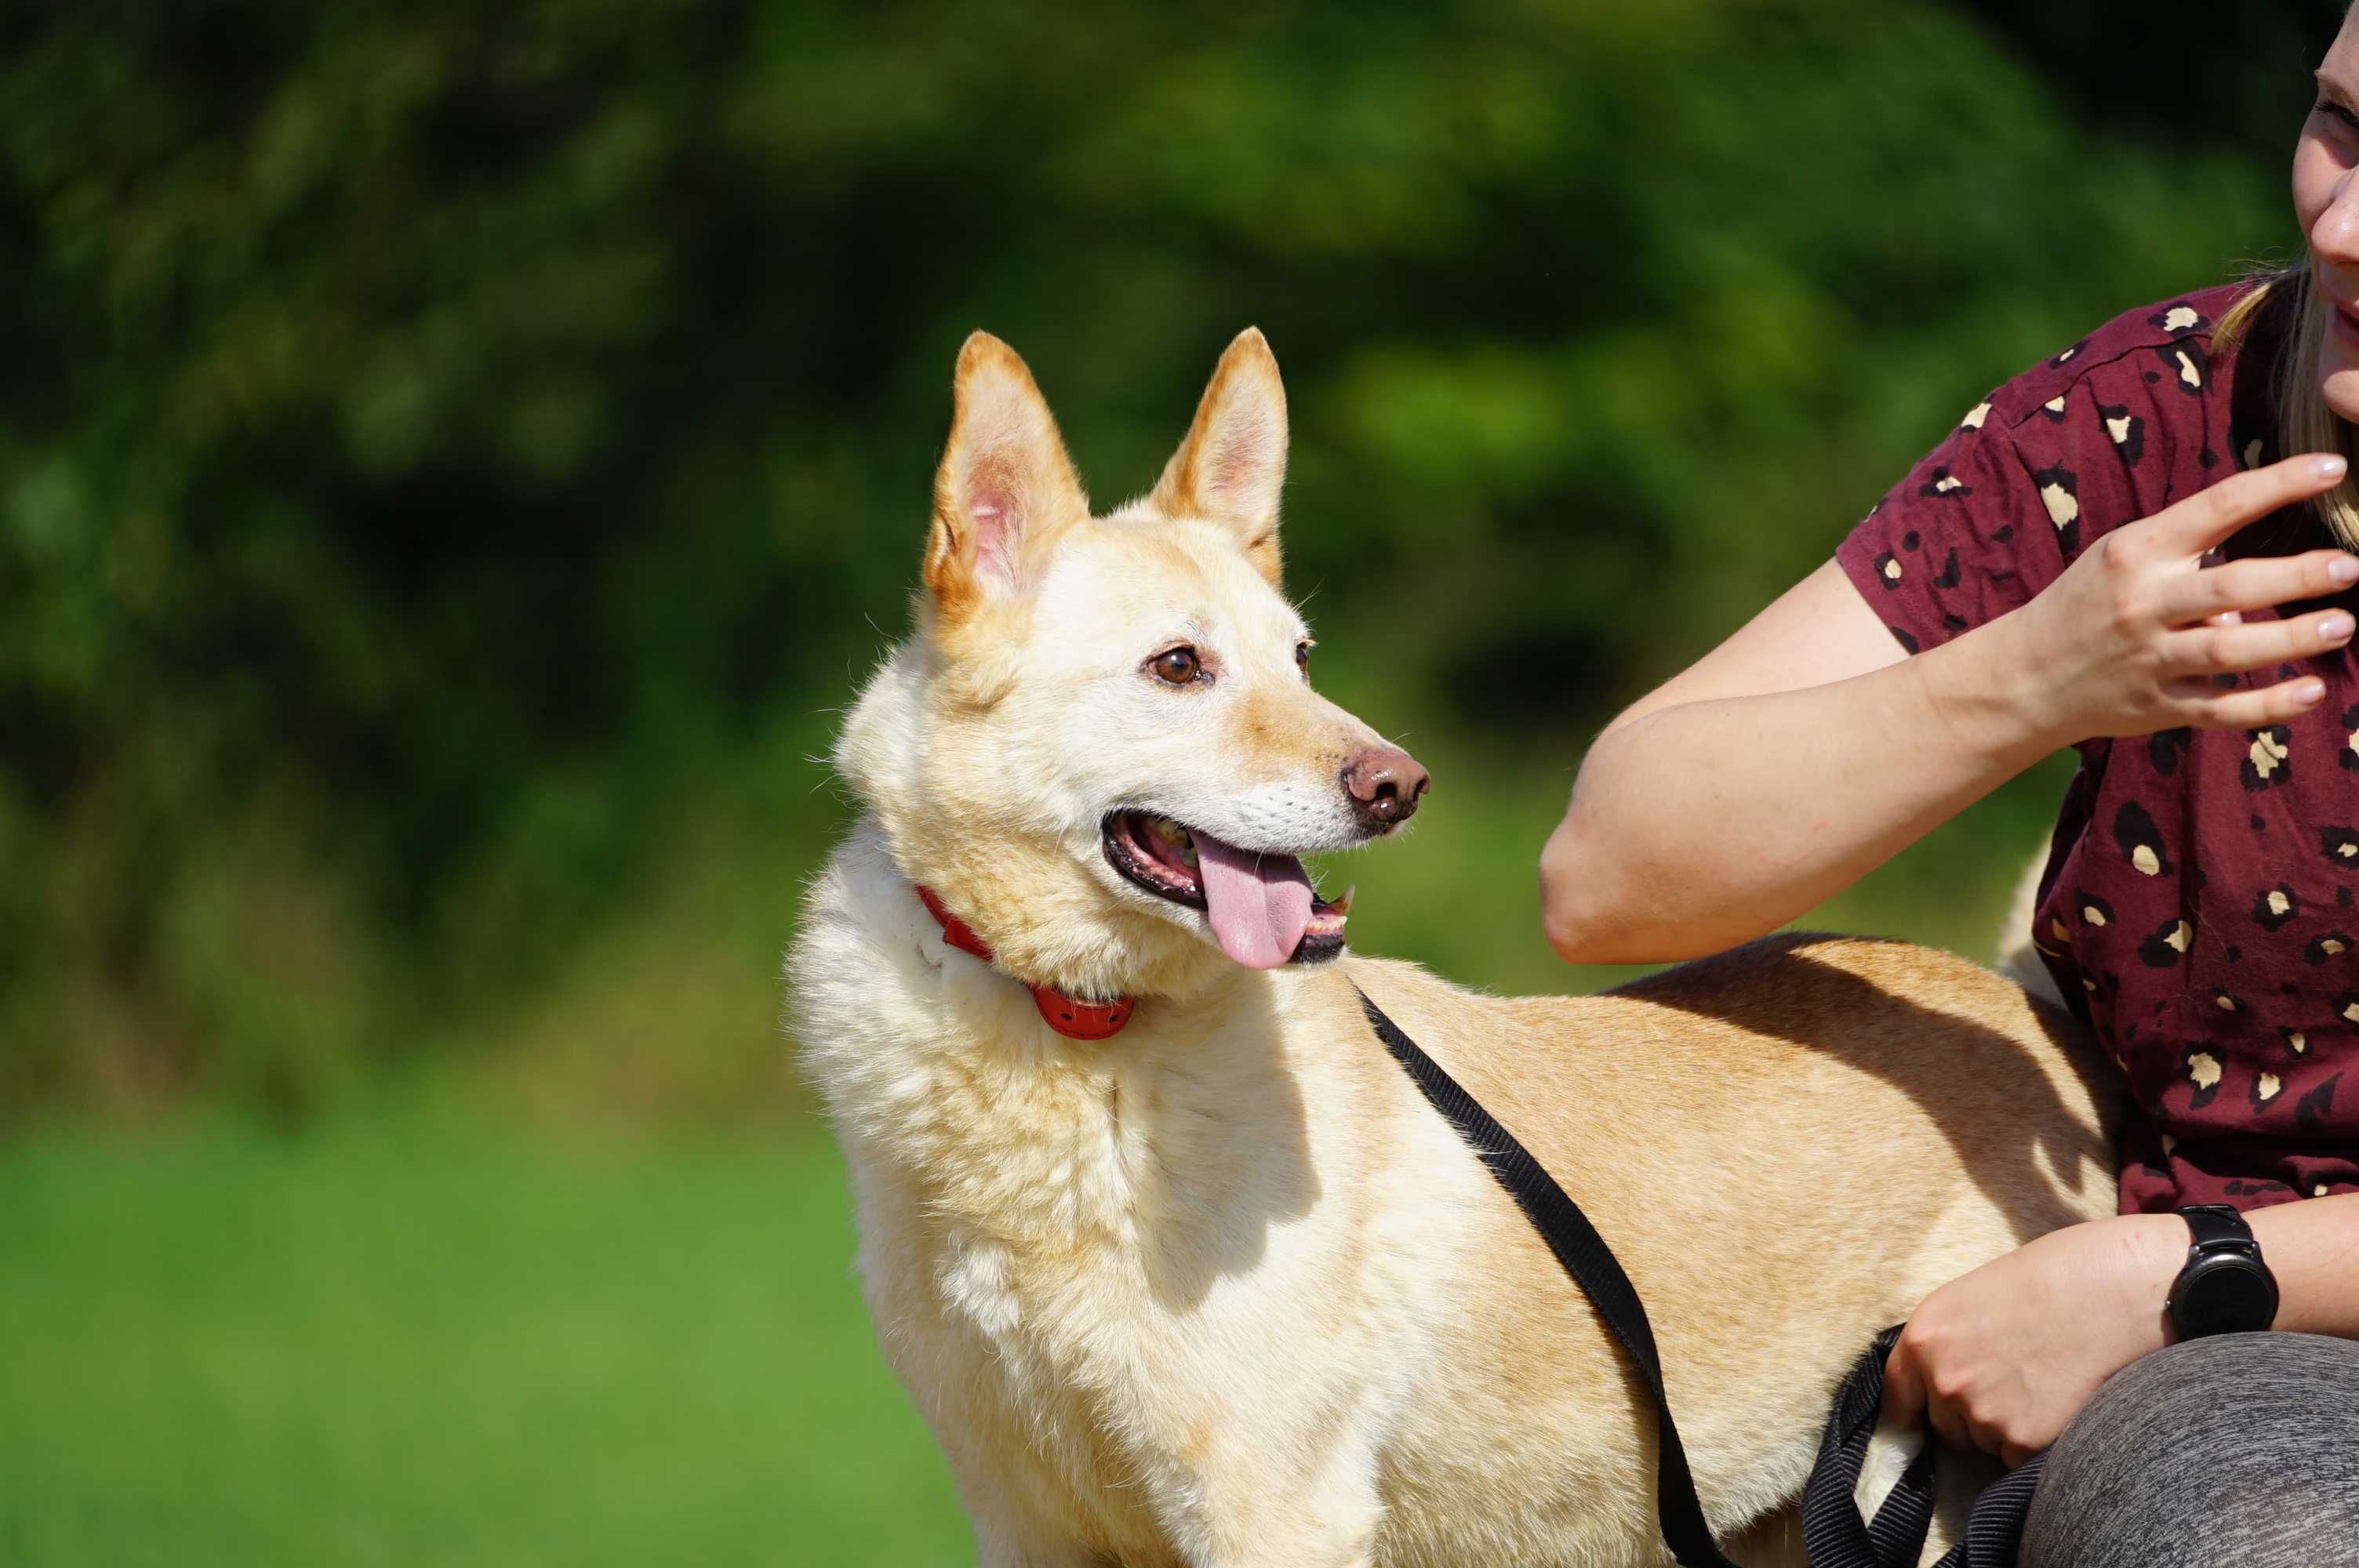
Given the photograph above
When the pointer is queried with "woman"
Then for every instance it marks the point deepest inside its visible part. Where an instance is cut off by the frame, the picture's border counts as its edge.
(2142, 548)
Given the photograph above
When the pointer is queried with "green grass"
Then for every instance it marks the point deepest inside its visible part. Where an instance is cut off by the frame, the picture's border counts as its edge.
(421, 1338)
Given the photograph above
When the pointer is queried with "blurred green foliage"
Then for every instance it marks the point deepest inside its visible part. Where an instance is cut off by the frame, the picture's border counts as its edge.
(453, 457)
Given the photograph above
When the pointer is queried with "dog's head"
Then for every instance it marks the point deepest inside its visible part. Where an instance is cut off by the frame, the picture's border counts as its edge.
(1102, 748)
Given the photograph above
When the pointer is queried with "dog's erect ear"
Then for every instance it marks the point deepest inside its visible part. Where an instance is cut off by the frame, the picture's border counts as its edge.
(1233, 464)
(1005, 486)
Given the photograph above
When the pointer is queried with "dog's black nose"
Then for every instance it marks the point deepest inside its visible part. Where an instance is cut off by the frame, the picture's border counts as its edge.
(1384, 783)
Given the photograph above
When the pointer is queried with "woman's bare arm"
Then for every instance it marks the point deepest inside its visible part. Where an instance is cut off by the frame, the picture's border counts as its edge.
(2001, 1358)
(1806, 750)
(1797, 756)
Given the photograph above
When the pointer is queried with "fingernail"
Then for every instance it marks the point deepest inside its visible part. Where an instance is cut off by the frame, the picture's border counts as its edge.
(2334, 628)
(2310, 691)
(2343, 569)
(2330, 468)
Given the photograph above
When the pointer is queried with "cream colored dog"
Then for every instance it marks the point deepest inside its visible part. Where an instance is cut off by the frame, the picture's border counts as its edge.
(1220, 1288)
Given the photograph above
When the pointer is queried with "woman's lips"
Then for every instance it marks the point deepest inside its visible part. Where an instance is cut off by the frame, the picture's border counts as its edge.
(2343, 324)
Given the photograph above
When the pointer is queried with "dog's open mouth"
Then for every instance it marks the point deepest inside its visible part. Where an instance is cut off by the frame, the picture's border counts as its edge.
(1260, 904)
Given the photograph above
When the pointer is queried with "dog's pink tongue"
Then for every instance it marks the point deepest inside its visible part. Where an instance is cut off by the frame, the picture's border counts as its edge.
(1259, 904)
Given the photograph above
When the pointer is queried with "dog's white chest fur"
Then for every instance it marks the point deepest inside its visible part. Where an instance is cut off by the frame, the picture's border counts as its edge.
(1114, 1270)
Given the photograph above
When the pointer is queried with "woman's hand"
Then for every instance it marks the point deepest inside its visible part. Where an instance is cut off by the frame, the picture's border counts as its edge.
(1810, 738)
(2000, 1360)
(2127, 640)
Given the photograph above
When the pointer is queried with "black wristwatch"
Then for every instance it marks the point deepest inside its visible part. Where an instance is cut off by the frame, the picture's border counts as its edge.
(2224, 1288)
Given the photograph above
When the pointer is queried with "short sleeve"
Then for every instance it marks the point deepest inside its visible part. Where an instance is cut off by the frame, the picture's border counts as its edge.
(1971, 534)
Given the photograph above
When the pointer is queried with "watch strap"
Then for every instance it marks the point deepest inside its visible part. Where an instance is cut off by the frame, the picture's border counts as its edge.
(2213, 1226)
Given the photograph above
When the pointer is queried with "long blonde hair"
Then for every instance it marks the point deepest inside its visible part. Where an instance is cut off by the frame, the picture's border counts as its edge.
(2304, 422)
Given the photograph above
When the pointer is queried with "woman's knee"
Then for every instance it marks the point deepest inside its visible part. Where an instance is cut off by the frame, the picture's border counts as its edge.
(2235, 1449)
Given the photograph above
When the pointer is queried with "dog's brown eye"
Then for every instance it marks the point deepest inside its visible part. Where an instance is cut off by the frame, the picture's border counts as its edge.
(1177, 665)
(1302, 658)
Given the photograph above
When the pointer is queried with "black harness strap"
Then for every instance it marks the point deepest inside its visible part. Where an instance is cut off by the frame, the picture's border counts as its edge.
(1832, 1532)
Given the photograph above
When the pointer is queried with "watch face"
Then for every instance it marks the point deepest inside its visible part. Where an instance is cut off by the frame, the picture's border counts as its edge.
(2227, 1296)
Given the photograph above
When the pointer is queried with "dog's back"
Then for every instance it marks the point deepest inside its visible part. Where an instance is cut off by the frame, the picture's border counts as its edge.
(1789, 1146)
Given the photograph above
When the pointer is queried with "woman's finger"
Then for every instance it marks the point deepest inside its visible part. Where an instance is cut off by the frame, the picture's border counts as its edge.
(2254, 644)
(1951, 1424)
(1987, 1437)
(2205, 707)
(2209, 519)
(1904, 1388)
(2259, 583)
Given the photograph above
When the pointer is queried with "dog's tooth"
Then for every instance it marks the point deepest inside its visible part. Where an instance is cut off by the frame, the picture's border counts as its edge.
(1171, 832)
(1340, 905)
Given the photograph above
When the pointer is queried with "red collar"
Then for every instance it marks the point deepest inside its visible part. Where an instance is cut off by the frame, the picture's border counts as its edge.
(1068, 1016)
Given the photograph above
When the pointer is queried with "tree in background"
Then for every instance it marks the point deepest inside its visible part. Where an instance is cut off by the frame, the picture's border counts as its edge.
(443, 444)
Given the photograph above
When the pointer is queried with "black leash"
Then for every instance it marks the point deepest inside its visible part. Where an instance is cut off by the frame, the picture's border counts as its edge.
(1833, 1534)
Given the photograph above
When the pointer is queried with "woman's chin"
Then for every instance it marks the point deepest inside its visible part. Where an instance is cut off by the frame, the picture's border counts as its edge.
(2341, 386)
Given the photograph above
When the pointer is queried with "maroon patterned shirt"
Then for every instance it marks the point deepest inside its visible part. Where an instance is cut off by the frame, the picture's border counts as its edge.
(2199, 899)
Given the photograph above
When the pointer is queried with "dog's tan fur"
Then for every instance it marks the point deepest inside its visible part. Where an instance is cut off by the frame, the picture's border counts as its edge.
(1223, 1289)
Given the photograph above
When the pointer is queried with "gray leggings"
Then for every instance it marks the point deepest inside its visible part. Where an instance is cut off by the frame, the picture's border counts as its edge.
(2242, 1449)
